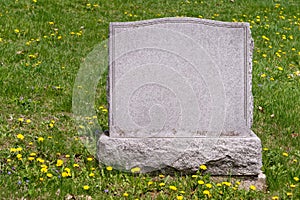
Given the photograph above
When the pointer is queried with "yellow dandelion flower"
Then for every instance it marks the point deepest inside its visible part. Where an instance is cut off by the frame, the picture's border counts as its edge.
(285, 154)
(280, 68)
(64, 174)
(109, 168)
(91, 175)
(161, 176)
(289, 194)
(32, 154)
(89, 159)
(125, 194)
(17, 30)
(150, 182)
(296, 179)
(19, 156)
(40, 160)
(208, 185)
(21, 119)
(67, 169)
(20, 136)
(162, 184)
(41, 179)
(44, 170)
(179, 197)
(67, 156)
(206, 192)
(40, 139)
(172, 187)
(203, 167)
(219, 184)
(49, 175)
(75, 165)
(226, 183)
(28, 121)
(59, 163)
(200, 182)
(135, 170)
(19, 149)
(263, 75)
(194, 176)
(30, 158)
(292, 186)
(86, 187)
(265, 38)
(252, 187)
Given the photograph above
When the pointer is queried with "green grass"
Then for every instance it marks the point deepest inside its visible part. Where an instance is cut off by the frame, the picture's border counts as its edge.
(39, 61)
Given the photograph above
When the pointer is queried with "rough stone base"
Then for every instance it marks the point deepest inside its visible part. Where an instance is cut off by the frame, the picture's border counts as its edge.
(233, 156)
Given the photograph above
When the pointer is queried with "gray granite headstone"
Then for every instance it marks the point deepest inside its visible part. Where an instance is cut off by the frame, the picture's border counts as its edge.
(180, 96)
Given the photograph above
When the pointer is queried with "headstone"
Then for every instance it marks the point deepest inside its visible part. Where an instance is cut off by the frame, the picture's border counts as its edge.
(180, 96)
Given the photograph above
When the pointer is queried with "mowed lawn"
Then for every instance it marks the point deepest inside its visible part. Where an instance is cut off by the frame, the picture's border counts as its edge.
(43, 44)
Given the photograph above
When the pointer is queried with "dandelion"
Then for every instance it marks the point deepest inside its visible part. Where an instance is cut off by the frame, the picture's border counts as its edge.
(8, 160)
(280, 68)
(203, 167)
(44, 170)
(275, 198)
(263, 75)
(32, 154)
(67, 156)
(40, 139)
(20, 136)
(125, 194)
(161, 176)
(17, 30)
(265, 38)
(75, 165)
(59, 37)
(109, 168)
(30, 158)
(226, 183)
(289, 194)
(285, 154)
(296, 179)
(135, 170)
(172, 187)
(64, 174)
(252, 187)
(91, 175)
(150, 183)
(292, 186)
(179, 197)
(59, 163)
(194, 176)
(162, 184)
(206, 192)
(200, 182)
(86, 187)
(20, 119)
(208, 185)
(40, 160)
(49, 175)
(19, 156)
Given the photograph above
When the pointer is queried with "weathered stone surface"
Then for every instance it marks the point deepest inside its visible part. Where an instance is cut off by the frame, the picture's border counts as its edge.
(180, 96)
(228, 156)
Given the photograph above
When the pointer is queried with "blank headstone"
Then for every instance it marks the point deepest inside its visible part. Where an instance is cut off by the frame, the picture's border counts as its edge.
(180, 96)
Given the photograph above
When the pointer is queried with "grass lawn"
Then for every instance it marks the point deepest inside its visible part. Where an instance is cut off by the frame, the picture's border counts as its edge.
(42, 46)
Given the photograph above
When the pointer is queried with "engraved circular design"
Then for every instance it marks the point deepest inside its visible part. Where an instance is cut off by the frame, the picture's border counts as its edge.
(155, 107)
